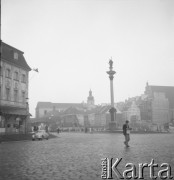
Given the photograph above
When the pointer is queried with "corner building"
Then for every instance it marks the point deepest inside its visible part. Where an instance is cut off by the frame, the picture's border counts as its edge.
(14, 72)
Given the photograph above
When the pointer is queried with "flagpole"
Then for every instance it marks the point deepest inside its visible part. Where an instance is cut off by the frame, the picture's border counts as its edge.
(0, 20)
(0, 34)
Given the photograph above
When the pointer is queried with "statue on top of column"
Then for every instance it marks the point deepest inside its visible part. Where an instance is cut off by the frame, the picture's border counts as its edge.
(111, 64)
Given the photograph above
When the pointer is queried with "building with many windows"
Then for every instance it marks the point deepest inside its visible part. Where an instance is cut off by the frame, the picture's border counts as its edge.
(162, 104)
(164, 98)
(154, 108)
(14, 72)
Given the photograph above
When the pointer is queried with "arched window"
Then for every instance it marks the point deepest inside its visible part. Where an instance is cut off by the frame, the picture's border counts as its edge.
(1, 71)
(23, 96)
(16, 75)
(8, 94)
(15, 95)
(8, 73)
(23, 78)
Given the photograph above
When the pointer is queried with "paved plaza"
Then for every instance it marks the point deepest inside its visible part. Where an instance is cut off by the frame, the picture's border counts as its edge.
(77, 156)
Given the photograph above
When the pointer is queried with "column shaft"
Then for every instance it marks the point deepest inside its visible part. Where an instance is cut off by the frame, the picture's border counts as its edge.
(112, 93)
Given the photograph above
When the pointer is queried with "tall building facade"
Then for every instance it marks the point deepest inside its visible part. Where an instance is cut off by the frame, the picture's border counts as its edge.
(162, 100)
(153, 110)
(14, 72)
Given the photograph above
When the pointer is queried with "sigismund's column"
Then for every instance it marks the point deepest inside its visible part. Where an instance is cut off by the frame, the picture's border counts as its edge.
(111, 72)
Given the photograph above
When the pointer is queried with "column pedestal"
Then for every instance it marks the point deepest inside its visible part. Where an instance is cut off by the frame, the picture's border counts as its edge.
(112, 123)
(112, 126)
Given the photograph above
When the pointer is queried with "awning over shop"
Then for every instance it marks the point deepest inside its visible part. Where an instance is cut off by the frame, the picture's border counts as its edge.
(14, 111)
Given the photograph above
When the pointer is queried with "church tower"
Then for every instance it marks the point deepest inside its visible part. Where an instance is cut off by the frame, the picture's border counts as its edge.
(90, 100)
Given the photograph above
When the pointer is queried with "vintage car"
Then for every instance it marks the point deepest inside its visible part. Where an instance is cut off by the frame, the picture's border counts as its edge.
(40, 135)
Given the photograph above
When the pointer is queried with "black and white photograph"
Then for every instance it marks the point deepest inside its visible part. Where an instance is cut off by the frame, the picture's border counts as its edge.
(86, 89)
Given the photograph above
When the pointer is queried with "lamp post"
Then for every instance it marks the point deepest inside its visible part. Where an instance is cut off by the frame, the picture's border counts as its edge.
(111, 72)
(27, 114)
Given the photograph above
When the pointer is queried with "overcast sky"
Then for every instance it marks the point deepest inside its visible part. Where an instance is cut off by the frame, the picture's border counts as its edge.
(71, 41)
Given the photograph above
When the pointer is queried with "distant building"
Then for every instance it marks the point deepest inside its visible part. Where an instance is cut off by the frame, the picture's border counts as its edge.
(45, 109)
(131, 109)
(133, 113)
(13, 89)
(160, 109)
(90, 101)
(162, 102)
(154, 108)
(76, 114)
(102, 117)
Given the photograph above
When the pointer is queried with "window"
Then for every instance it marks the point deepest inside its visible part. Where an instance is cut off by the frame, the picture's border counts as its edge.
(1, 71)
(16, 76)
(23, 78)
(23, 97)
(8, 94)
(45, 112)
(8, 73)
(15, 55)
(2, 124)
(16, 95)
(0, 94)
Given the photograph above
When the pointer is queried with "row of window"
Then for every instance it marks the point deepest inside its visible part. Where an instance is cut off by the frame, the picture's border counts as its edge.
(16, 95)
(16, 77)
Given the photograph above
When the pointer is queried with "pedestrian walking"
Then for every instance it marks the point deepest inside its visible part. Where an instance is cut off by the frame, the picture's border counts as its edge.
(35, 128)
(58, 130)
(46, 128)
(86, 129)
(126, 132)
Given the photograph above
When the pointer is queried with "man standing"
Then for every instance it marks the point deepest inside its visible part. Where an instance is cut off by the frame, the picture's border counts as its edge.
(126, 132)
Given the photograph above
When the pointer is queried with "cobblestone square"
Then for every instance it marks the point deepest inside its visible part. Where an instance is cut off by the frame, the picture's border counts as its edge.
(77, 156)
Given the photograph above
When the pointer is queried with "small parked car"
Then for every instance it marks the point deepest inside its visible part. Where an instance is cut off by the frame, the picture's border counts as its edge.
(40, 135)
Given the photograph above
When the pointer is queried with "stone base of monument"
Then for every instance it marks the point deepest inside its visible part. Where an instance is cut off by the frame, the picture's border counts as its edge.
(112, 126)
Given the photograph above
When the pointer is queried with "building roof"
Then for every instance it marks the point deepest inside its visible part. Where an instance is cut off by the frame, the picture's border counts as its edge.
(105, 109)
(72, 110)
(57, 105)
(8, 55)
(168, 90)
